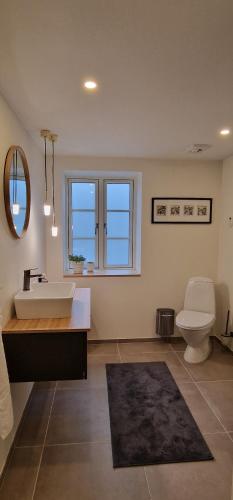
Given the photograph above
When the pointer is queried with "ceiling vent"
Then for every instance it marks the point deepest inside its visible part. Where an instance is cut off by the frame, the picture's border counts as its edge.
(197, 148)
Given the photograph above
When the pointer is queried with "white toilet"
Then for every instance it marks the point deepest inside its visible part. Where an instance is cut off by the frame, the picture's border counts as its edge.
(197, 318)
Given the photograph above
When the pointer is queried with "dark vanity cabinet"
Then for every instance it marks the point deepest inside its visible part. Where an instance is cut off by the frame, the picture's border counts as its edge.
(49, 349)
(46, 356)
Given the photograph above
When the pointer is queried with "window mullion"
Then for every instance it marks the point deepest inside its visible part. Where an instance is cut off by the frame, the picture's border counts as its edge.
(105, 212)
(97, 223)
(131, 229)
(84, 238)
(101, 224)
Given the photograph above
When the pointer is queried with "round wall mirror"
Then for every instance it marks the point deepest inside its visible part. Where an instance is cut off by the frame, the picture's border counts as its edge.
(17, 192)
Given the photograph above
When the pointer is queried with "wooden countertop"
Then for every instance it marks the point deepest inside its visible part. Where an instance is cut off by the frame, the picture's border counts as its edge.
(79, 321)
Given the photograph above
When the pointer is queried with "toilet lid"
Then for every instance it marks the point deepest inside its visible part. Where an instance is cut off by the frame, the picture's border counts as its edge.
(194, 320)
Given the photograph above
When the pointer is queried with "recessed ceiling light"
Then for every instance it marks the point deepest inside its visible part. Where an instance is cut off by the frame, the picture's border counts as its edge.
(90, 85)
(225, 131)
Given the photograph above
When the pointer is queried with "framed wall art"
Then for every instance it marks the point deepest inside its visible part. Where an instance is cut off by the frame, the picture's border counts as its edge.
(181, 211)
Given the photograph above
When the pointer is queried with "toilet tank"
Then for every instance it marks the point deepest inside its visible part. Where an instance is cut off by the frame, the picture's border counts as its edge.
(199, 295)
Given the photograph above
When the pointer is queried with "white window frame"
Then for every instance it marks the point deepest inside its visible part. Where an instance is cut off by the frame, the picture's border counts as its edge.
(102, 178)
(131, 217)
(70, 210)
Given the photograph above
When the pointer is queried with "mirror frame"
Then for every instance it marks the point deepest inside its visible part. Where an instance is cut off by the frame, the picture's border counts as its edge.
(6, 186)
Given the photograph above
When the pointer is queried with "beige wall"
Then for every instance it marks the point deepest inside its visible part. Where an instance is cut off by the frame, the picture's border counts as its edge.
(16, 255)
(124, 307)
(225, 262)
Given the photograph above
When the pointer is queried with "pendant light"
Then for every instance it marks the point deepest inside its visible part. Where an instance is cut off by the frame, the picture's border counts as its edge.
(47, 207)
(15, 205)
(54, 228)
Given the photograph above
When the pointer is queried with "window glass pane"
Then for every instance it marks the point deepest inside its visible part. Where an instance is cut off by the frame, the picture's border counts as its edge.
(118, 224)
(117, 252)
(20, 192)
(83, 224)
(19, 220)
(85, 248)
(83, 195)
(118, 196)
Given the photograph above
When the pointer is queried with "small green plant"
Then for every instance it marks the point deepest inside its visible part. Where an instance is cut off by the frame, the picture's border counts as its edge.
(76, 258)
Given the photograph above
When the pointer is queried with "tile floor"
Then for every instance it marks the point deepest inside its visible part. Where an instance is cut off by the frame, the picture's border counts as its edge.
(63, 451)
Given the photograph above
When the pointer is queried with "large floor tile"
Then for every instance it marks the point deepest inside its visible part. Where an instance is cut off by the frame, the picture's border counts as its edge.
(210, 480)
(33, 427)
(173, 363)
(220, 397)
(144, 347)
(96, 373)
(85, 472)
(219, 366)
(217, 345)
(178, 344)
(204, 417)
(79, 416)
(102, 348)
(44, 385)
(20, 476)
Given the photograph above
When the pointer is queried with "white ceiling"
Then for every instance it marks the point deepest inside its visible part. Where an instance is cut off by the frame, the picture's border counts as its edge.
(164, 67)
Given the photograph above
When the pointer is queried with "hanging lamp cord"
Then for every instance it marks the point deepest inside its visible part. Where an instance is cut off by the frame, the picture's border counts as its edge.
(45, 168)
(53, 194)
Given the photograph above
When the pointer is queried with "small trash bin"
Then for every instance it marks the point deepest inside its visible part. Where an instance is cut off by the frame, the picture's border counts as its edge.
(165, 322)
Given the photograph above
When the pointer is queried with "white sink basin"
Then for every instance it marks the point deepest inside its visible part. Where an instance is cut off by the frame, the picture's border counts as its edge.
(45, 300)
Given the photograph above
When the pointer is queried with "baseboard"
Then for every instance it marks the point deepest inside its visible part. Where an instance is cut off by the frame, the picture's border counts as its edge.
(175, 338)
(172, 339)
(129, 340)
(226, 342)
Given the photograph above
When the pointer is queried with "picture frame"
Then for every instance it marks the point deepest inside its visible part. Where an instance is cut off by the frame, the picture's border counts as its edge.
(173, 210)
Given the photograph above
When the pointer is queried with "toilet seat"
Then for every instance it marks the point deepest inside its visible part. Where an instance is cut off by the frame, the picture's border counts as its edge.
(194, 320)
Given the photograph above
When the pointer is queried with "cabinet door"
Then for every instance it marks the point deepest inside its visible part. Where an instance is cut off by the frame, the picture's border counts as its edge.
(46, 356)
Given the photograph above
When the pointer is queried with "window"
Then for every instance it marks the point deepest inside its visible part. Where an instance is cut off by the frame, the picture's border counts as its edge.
(102, 221)
(83, 219)
(118, 227)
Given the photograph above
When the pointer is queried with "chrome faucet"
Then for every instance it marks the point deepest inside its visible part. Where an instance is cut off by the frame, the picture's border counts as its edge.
(27, 276)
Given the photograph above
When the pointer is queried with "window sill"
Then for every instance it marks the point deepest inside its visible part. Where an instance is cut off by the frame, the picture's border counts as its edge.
(103, 273)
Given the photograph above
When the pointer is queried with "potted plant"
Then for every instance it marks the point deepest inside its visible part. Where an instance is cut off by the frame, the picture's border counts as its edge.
(77, 263)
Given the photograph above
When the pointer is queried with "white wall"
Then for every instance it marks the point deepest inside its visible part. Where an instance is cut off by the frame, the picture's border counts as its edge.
(124, 307)
(16, 255)
(225, 262)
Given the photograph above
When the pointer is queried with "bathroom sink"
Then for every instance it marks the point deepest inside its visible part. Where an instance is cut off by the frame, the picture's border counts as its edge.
(45, 300)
